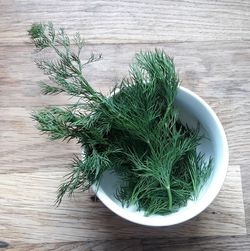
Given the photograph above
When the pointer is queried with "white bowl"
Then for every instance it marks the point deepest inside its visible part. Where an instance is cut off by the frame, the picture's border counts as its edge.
(192, 109)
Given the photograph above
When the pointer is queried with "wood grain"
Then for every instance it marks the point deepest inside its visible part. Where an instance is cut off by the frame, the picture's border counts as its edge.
(24, 149)
(202, 66)
(210, 43)
(33, 219)
(130, 21)
(233, 243)
(121, 245)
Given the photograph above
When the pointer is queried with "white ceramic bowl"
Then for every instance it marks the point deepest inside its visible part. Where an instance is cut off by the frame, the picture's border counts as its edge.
(192, 109)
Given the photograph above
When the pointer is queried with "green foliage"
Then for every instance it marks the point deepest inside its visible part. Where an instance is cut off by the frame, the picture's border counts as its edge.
(135, 132)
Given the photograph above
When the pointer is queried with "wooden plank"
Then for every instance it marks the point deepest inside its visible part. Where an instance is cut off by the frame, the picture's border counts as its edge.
(203, 67)
(24, 149)
(121, 245)
(107, 21)
(232, 243)
(27, 213)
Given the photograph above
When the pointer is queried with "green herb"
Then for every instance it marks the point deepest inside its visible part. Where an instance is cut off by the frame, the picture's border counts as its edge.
(135, 132)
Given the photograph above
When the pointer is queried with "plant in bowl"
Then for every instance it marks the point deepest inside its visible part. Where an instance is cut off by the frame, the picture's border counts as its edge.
(154, 153)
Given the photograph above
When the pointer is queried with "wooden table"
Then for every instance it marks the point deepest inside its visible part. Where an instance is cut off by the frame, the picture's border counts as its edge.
(210, 41)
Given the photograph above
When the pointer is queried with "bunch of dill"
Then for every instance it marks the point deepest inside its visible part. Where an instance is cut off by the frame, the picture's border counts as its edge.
(135, 132)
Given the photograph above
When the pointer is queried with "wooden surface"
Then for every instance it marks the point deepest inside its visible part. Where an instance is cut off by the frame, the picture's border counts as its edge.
(31, 196)
(210, 41)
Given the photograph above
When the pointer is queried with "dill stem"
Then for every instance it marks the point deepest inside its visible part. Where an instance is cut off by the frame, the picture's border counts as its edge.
(170, 200)
(150, 146)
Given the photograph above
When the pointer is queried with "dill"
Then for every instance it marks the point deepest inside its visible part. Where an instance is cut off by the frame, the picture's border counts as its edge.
(134, 132)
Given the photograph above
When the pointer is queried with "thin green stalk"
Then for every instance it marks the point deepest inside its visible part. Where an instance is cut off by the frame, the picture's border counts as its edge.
(170, 200)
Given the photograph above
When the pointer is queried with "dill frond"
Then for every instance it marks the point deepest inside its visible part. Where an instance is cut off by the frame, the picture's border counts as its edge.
(134, 132)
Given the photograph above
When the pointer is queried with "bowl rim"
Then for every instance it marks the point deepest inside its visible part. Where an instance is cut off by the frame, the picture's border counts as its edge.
(146, 221)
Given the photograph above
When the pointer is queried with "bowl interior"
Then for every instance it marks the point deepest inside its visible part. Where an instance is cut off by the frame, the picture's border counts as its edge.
(192, 111)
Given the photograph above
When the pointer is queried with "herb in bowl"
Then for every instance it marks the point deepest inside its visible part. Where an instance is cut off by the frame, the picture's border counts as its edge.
(134, 132)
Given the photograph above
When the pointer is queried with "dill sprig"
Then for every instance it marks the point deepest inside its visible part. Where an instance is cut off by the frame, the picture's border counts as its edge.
(134, 132)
